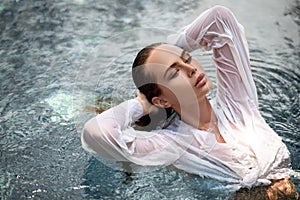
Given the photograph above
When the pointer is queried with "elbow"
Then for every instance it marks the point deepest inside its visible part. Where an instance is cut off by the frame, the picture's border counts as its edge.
(88, 128)
(95, 135)
(91, 135)
(219, 8)
(222, 11)
(87, 136)
(99, 139)
(95, 130)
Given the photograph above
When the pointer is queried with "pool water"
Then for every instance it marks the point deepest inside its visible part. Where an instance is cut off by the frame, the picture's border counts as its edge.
(58, 57)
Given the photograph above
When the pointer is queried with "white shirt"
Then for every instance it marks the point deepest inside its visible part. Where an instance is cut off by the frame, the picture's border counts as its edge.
(253, 152)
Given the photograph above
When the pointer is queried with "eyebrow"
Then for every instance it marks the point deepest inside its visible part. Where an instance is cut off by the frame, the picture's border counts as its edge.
(184, 52)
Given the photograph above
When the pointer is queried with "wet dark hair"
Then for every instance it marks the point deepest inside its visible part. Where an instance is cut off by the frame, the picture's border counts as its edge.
(147, 85)
(150, 89)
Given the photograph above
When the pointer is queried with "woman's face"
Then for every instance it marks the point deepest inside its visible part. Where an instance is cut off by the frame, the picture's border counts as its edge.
(181, 78)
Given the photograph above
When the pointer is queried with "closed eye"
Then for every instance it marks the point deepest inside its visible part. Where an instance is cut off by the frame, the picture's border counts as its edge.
(174, 73)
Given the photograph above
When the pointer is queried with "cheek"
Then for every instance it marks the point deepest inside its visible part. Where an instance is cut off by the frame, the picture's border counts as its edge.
(179, 88)
(196, 64)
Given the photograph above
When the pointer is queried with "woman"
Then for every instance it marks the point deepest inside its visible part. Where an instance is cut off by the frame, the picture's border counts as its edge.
(226, 139)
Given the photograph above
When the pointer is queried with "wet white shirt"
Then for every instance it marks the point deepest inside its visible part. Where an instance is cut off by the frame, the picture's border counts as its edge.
(253, 152)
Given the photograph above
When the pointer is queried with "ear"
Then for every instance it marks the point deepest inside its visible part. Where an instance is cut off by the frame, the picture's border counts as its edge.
(161, 102)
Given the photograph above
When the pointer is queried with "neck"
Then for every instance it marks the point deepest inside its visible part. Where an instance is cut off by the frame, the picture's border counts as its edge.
(202, 117)
(199, 116)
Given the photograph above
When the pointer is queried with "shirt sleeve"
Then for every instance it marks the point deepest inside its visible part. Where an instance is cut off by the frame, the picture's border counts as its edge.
(110, 135)
(217, 29)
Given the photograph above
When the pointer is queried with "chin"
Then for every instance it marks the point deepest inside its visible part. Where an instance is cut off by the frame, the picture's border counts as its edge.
(202, 92)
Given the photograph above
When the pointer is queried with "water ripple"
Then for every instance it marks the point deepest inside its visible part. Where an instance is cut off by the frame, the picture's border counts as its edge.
(48, 68)
(278, 93)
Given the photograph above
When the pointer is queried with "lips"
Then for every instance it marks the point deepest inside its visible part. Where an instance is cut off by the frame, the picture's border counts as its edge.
(200, 81)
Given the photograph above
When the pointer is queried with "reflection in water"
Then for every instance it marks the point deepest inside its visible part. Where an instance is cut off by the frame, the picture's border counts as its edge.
(50, 66)
(103, 182)
(61, 103)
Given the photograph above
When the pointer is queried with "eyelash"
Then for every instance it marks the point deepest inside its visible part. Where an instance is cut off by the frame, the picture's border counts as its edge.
(187, 61)
(175, 73)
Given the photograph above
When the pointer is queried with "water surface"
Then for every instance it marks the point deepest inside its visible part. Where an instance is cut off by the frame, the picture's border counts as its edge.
(59, 56)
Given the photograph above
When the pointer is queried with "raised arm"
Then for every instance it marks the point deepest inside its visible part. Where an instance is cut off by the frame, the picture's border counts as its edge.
(218, 29)
(110, 135)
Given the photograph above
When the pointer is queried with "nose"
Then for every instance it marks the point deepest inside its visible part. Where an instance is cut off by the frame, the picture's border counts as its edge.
(190, 70)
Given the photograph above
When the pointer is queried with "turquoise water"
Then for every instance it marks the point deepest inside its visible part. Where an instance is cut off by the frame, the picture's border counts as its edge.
(59, 56)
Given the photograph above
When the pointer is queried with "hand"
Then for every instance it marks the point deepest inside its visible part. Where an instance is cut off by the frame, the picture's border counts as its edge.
(282, 188)
(147, 106)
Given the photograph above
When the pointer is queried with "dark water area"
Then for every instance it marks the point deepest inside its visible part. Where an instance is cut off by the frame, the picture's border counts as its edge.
(56, 57)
